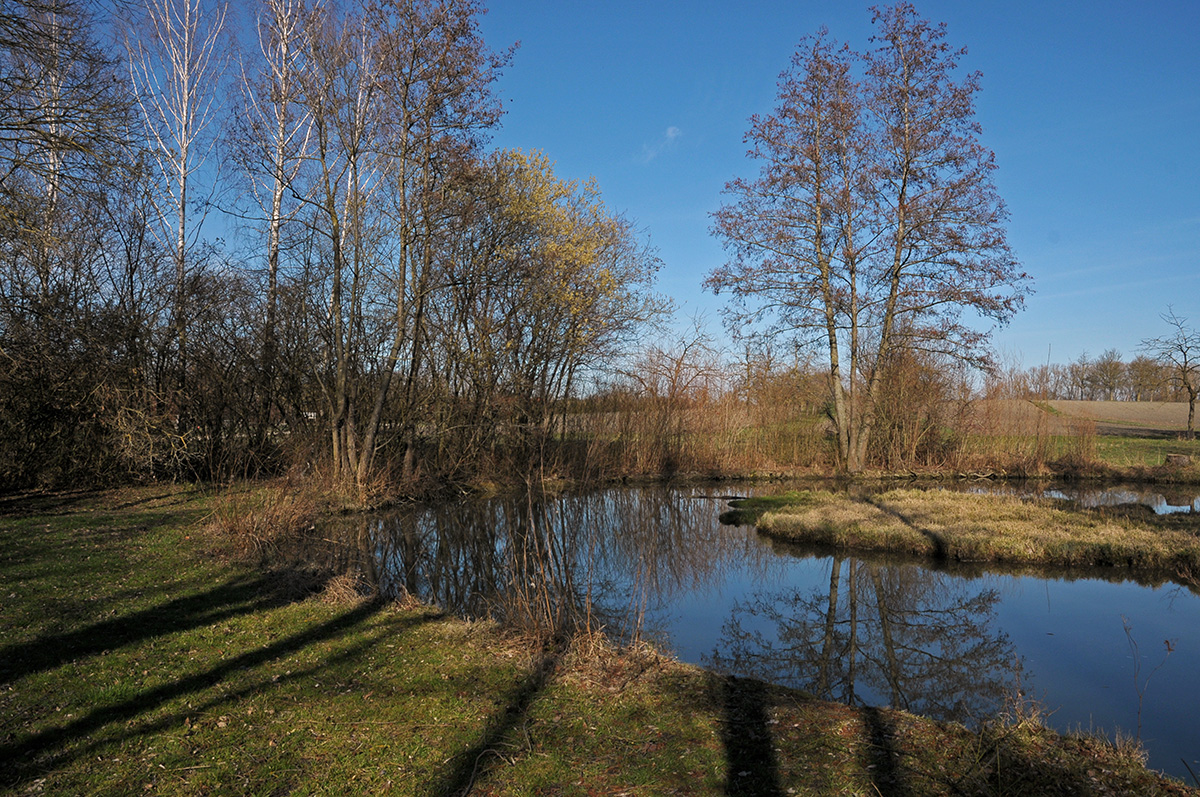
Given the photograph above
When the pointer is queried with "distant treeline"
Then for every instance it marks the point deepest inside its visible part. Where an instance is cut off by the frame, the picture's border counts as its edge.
(1106, 377)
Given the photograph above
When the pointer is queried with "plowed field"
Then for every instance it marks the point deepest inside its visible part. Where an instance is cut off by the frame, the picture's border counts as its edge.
(1133, 418)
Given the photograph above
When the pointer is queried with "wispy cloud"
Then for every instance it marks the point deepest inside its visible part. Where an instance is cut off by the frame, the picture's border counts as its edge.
(664, 143)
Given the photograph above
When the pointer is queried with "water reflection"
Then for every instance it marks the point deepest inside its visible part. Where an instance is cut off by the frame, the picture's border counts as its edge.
(626, 560)
(950, 641)
(551, 563)
(1164, 500)
(873, 635)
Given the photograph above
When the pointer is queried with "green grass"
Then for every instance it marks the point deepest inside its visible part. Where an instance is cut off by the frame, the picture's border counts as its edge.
(1134, 452)
(135, 659)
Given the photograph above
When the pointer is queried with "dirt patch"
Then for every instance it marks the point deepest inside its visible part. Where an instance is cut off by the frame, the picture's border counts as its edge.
(1128, 418)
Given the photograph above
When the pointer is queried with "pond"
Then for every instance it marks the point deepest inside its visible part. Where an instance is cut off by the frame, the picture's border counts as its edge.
(959, 643)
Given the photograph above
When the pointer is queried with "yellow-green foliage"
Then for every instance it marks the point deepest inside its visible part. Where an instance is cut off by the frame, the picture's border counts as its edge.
(563, 234)
(971, 527)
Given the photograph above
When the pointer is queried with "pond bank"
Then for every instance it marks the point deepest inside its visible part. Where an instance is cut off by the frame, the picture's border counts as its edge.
(134, 660)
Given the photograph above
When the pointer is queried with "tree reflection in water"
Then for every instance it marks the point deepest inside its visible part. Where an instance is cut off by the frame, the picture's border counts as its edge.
(554, 563)
(656, 563)
(896, 634)
(612, 560)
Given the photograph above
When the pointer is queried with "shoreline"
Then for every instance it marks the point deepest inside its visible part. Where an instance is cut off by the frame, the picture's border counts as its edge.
(150, 660)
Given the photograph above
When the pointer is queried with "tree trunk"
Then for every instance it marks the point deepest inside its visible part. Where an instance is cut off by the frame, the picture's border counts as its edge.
(827, 652)
(1191, 427)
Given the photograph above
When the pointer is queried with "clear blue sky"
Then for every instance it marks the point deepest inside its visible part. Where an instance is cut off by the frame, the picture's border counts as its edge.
(1092, 109)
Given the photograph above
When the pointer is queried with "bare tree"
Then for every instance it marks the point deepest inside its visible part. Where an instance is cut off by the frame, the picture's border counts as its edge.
(1179, 350)
(1146, 378)
(58, 96)
(176, 62)
(64, 117)
(1108, 374)
(270, 144)
(874, 223)
(397, 95)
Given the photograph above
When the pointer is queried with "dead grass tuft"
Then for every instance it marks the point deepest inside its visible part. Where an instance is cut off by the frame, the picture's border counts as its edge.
(255, 524)
(347, 589)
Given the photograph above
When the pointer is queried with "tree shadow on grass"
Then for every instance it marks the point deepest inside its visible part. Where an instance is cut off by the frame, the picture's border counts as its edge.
(49, 504)
(59, 503)
(239, 596)
(940, 552)
(475, 763)
(96, 746)
(749, 745)
(883, 757)
(54, 747)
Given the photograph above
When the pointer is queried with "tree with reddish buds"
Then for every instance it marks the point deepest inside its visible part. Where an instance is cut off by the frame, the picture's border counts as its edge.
(874, 224)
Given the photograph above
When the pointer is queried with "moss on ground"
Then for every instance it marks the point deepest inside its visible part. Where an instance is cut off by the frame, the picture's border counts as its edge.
(133, 659)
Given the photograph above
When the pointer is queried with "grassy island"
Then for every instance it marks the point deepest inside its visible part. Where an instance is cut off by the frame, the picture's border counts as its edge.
(135, 658)
(971, 527)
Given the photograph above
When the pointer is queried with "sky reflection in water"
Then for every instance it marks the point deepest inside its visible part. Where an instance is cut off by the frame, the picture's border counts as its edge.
(953, 643)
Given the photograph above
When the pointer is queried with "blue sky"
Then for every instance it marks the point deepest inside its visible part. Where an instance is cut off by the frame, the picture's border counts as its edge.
(1092, 109)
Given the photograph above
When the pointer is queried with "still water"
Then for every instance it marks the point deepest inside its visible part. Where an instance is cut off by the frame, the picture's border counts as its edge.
(1100, 653)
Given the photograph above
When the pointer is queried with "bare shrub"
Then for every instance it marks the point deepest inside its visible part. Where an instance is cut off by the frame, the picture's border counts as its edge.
(1081, 444)
(255, 524)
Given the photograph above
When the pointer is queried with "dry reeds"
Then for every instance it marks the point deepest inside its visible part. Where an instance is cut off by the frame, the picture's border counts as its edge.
(256, 523)
(638, 436)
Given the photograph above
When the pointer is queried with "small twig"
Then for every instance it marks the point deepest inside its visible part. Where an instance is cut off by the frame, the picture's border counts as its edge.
(1190, 771)
(1139, 685)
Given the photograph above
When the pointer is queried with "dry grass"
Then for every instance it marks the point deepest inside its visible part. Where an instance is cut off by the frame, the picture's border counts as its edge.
(256, 522)
(347, 589)
(966, 527)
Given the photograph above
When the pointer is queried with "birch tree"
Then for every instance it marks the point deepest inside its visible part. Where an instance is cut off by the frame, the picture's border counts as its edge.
(63, 148)
(271, 142)
(874, 224)
(176, 64)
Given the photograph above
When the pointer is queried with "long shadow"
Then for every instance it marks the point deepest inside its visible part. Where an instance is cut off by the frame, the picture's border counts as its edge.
(884, 757)
(42, 747)
(749, 747)
(178, 497)
(51, 504)
(939, 544)
(476, 762)
(173, 720)
(237, 597)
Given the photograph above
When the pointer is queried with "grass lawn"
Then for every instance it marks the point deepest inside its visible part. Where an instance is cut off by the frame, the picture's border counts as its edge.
(1134, 452)
(134, 659)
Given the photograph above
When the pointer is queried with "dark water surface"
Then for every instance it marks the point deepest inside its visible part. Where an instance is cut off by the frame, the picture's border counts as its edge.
(953, 643)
